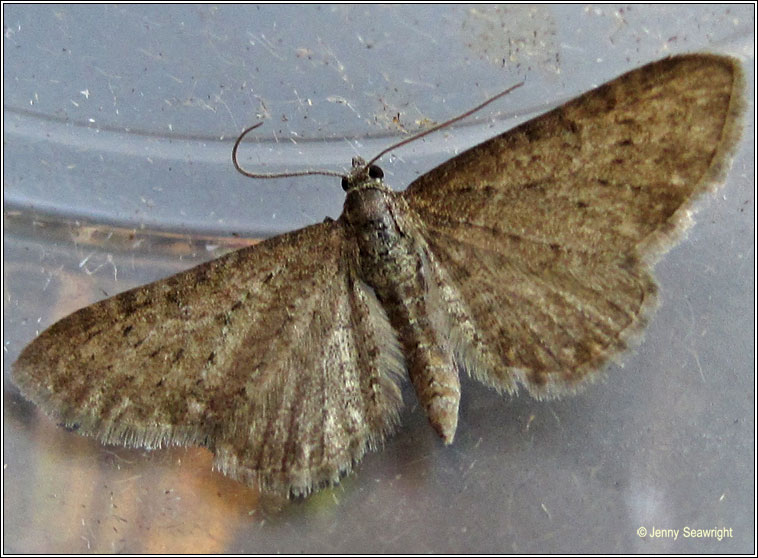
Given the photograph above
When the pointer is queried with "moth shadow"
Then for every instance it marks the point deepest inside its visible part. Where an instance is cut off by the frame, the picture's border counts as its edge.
(505, 424)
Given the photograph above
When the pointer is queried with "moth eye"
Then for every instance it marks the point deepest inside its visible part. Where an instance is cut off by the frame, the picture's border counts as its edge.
(375, 172)
(345, 184)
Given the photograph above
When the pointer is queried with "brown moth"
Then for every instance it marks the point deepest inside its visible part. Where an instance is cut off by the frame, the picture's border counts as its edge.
(524, 261)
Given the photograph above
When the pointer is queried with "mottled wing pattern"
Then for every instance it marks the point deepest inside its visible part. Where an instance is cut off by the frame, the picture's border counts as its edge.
(275, 357)
(549, 230)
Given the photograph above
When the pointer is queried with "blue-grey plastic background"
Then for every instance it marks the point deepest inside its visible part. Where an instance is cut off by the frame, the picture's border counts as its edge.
(118, 124)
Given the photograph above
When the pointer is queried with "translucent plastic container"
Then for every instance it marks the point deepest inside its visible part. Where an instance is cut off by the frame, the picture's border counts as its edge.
(119, 122)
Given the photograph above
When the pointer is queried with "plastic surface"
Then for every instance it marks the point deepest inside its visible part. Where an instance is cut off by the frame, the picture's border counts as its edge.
(118, 124)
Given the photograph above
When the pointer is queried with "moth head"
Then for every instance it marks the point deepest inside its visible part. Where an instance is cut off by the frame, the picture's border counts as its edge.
(362, 174)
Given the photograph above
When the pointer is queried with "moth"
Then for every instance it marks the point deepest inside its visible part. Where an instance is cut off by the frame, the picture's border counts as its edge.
(524, 261)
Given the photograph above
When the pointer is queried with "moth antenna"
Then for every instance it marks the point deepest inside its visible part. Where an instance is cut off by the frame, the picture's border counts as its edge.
(272, 174)
(444, 124)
